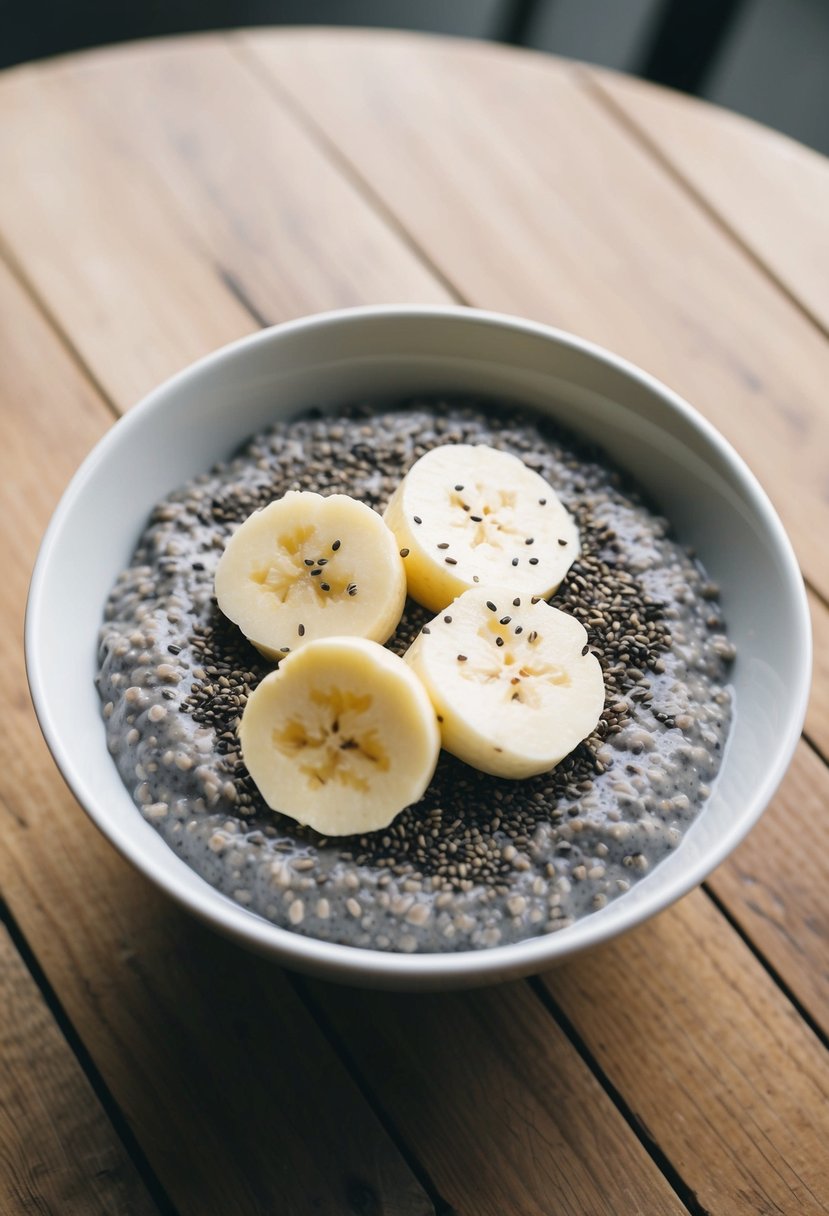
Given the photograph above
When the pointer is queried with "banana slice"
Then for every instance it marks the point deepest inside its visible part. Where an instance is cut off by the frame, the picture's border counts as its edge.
(342, 736)
(472, 515)
(308, 567)
(511, 680)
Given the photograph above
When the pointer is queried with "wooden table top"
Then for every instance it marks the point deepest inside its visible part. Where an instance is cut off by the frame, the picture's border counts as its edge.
(159, 200)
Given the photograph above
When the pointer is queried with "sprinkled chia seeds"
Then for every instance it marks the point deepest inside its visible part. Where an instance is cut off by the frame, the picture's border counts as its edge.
(479, 861)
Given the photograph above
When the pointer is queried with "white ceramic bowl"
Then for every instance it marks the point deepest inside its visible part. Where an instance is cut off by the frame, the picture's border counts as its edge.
(203, 413)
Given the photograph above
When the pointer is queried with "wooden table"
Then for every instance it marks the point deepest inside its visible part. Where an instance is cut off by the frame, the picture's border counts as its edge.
(159, 200)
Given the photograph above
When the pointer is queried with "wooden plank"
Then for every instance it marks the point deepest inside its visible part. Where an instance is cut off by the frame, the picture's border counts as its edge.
(775, 884)
(212, 180)
(235, 1096)
(725, 1077)
(243, 175)
(517, 213)
(726, 159)
(99, 243)
(817, 718)
(58, 1150)
(494, 1101)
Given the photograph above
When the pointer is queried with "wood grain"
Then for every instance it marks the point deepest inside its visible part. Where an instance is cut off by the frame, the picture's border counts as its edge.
(725, 1077)
(491, 1096)
(775, 884)
(202, 1047)
(727, 159)
(101, 245)
(566, 218)
(173, 179)
(58, 1151)
(288, 228)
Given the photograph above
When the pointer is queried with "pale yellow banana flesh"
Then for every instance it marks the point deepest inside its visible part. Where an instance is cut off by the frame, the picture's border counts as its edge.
(471, 515)
(307, 567)
(512, 682)
(341, 737)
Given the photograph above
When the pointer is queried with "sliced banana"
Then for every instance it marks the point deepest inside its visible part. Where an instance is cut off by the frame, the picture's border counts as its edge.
(342, 736)
(307, 567)
(512, 682)
(471, 515)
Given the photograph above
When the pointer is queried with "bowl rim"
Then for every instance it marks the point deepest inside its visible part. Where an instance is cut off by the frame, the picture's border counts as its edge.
(362, 964)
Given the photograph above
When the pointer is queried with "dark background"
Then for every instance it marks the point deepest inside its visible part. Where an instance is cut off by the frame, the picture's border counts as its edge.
(765, 58)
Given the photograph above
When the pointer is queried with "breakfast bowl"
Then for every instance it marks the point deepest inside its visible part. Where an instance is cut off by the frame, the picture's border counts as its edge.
(403, 355)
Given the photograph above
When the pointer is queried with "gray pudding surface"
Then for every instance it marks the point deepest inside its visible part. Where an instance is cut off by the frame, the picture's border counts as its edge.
(479, 861)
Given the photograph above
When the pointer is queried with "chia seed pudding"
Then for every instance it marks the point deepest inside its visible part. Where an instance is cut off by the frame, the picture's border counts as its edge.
(479, 861)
